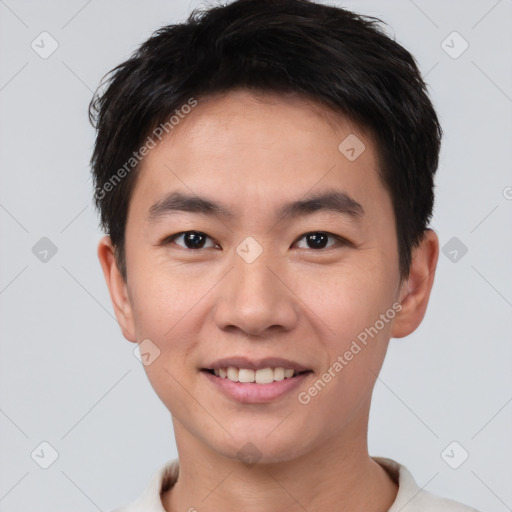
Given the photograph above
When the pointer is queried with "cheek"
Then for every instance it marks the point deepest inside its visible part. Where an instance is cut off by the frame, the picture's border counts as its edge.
(355, 355)
(356, 305)
(346, 299)
(163, 299)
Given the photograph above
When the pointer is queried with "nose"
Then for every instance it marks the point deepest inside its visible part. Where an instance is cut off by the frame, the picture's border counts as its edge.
(255, 298)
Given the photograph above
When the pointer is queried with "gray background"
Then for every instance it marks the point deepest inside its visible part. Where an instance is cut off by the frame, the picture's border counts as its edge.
(68, 377)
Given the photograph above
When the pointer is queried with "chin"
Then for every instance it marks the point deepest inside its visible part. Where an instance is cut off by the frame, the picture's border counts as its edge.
(262, 448)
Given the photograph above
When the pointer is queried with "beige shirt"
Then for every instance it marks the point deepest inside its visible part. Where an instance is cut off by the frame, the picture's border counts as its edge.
(410, 497)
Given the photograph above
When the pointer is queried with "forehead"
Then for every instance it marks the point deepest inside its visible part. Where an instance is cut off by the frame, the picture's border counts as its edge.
(255, 151)
(264, 120)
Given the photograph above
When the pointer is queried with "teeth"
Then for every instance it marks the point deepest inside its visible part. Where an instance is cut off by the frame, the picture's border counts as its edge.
(261, 376)
(264, 376)
(245, 375)
(288, 373)
(279, 374)
(232, 374)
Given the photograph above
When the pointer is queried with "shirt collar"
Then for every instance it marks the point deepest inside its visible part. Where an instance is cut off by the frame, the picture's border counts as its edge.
(166, 476)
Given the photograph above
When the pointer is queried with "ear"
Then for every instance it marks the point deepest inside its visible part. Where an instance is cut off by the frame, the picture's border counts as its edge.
(415, 291)
(117, 287)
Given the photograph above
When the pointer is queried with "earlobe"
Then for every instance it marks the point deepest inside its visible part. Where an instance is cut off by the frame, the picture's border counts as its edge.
(415, 291)
(117, 288)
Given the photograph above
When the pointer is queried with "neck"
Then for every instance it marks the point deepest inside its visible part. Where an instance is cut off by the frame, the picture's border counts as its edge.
(337, 475)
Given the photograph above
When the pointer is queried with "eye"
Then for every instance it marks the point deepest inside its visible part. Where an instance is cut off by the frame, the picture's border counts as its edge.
(191, 240)
(198, 240)
(319, 240)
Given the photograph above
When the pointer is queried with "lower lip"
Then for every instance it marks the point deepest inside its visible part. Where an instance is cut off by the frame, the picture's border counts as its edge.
(252, 393)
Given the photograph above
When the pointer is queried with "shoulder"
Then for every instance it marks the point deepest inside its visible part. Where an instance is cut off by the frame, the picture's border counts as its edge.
(411, 498)
(150, 501)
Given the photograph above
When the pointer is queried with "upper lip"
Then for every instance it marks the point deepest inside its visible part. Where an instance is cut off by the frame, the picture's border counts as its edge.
(255, 364)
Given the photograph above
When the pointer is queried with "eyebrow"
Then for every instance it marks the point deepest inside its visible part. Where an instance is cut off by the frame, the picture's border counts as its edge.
(330, 201)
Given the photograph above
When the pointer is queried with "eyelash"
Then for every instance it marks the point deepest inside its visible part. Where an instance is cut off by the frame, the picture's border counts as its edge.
(340, 241)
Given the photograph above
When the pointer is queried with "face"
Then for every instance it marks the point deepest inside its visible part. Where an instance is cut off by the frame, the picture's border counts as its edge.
(231, 263)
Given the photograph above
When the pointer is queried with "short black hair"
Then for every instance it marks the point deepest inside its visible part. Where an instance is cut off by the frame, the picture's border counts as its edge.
(340, 59)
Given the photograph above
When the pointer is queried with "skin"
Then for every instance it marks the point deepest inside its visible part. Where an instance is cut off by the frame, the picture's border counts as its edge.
(252, 154)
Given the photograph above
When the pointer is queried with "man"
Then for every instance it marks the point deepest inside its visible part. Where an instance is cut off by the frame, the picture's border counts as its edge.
(264, 172)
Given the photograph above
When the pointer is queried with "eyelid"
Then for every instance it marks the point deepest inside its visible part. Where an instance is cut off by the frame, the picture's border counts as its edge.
(171, 238)
(340, 241)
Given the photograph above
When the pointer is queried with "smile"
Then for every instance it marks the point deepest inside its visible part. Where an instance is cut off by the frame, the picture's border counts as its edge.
(260, 376)
(255, 385)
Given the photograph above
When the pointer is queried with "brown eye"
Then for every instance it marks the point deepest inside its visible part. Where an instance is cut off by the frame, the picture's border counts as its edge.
(191, 240)
(319, 240)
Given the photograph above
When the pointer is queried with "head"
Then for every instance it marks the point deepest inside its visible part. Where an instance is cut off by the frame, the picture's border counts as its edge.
(265, 178)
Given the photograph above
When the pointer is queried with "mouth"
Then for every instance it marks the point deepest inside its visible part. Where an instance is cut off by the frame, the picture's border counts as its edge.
(260, 376)
(248, 381)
